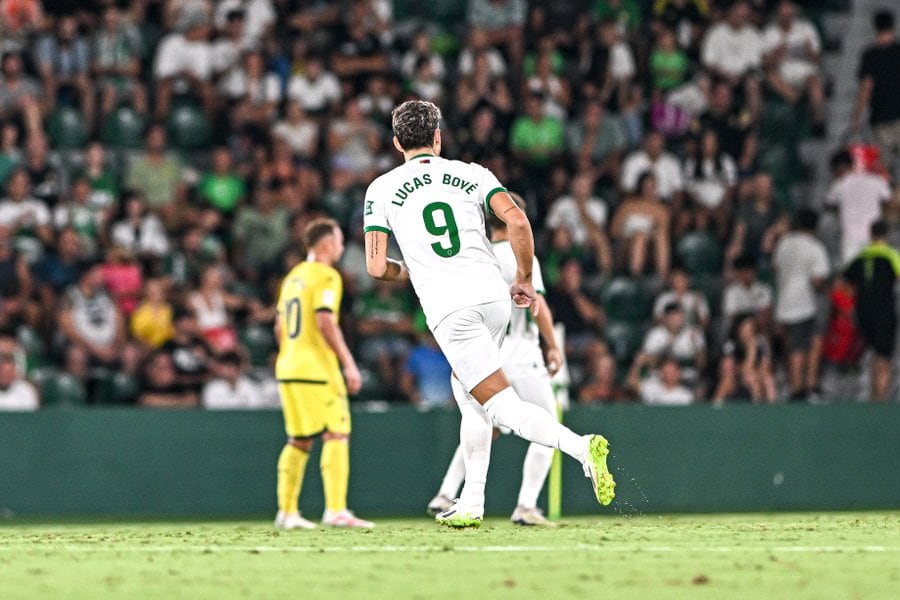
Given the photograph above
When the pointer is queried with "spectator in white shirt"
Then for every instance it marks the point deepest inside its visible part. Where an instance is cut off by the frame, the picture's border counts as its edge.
(300, 132)
(139, 231)
(693, 303)
(654, 157)
(583, 216)
(230, 389)
(674, 337)
(184, 64)
(23, 213)
(733, 51)
(710, 177)
(316, 89)
(746, 294)
(259, 18)
(478, 44)
(255, 94)
(16, 394)
(859, 198)
(801, 266)
(578, 212)
(421, 49)
(228, 46)
(792, 48)
(663, 387)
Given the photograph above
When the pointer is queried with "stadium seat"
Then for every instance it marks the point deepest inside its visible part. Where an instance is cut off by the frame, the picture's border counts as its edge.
(624, 339)
(118, 388)
(67, 128)
(699, 252)
(188, 127)
(781, 122)
(124, 128)
(61, 389)
(259, 342)
(623, 299)
(34, 347)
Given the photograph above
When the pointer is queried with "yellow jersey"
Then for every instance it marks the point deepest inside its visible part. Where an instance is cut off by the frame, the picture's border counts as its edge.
(304, 356)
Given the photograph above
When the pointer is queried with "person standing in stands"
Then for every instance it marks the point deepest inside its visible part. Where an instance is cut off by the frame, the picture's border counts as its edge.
(874, 274)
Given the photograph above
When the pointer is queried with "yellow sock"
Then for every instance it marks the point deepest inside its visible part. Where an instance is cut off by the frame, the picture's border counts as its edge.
(335, 465)
(291, 465)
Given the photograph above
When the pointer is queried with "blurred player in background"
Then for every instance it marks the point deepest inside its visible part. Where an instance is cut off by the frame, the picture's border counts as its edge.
(523, 363)
(435, 210)
(310, 382)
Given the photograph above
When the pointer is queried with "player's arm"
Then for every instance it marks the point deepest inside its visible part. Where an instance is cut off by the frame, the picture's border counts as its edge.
(544, 320)
(276, 328)
(378, 264)
(331, 332)
(521, 240)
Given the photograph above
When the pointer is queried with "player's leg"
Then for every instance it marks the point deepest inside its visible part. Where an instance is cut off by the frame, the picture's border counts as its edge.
(461, 336)
(472, 346)
(534, 424)
(453, 478)
(335, 462)
(534, 388)
(293, 459)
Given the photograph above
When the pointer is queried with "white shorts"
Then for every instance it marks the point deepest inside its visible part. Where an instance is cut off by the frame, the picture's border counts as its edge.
(470, 338)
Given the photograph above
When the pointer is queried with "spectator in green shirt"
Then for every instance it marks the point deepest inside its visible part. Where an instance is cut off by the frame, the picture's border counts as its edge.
(103, 181)
(222, 188)
(260, 233)
(626, 13)
(158, 176)
(668, 63)
(536, 139)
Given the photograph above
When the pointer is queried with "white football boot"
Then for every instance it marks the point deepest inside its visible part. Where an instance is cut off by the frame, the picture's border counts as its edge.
(345, 518)
(292, 521)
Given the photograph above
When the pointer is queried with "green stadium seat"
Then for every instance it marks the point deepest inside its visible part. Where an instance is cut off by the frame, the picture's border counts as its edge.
(67, 128)
(118, 388)
(699, 252)
(188, 127)
(124, 128)
(624, 339)
(63, 390)
(34, 347)
(781, 123)
(259, 342)
(623, 299)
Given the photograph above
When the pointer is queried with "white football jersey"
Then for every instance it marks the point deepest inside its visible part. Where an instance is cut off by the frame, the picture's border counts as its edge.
(521, 347)
(434, 208)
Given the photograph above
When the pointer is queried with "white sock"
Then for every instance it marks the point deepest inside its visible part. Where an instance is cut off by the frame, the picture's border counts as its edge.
(534, 424)
(534, 473)
(456, 472)
(475, 436)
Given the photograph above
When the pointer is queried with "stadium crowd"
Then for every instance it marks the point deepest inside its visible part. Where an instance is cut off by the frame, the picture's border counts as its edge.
(159, 159)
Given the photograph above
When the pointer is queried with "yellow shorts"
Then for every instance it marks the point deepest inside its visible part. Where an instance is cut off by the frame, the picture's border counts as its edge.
(312, 408)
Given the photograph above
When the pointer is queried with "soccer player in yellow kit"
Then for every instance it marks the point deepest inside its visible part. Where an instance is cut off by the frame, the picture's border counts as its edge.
(311, 383)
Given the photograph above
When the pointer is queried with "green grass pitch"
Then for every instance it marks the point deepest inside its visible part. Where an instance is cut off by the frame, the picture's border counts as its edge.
(816, 555)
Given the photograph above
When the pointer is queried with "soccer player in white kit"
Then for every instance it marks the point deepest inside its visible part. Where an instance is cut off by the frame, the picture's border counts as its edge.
(529, 374)
(435, 208)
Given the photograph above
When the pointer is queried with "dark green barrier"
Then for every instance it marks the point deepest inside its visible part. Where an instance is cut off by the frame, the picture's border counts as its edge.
(143, 462)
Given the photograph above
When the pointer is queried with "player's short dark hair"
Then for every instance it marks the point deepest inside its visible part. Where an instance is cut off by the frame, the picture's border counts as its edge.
(883, 20)
(807, 219)
(414, 123)
(878, 229)
(495, 222)
(317, 229)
